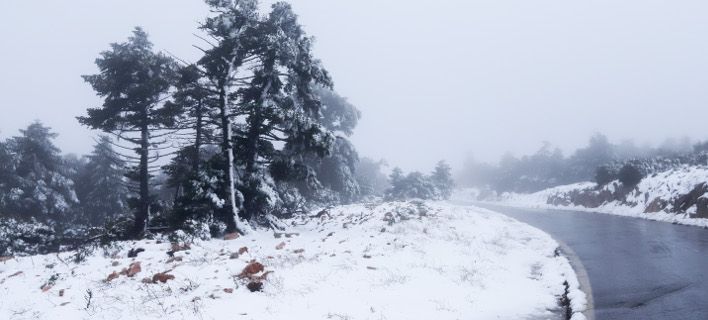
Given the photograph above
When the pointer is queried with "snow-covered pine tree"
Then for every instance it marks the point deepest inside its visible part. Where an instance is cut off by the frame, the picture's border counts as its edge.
(371, 178)
(418, 185)
(195, 100)
(196, 193)
(397, 182)
(134, 82)
(40, 188)
(101, 186)
(442, 179)
(281, 107)
(187, 177)
(8, 178)
(225, 65)
(337, 172)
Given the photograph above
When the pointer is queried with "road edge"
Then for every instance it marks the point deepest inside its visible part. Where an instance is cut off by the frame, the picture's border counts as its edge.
(579, 269)
(582, 275)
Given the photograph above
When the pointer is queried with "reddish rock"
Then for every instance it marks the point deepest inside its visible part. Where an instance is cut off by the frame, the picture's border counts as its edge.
(133, 269)
(251, 269)
(243, 250)
(162, 277)
(229, 290)
(6, 258)
(112, 276)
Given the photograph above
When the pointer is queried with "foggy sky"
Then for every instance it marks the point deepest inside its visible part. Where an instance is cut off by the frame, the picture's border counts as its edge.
(433, 79)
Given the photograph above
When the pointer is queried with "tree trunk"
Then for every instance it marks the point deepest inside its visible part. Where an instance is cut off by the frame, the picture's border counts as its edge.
(252, 141)
(230, 209)
(255, 123)
(198, 139)
(251, 156)
(142, 214)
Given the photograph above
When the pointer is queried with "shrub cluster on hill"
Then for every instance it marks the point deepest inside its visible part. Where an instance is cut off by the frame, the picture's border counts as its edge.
(416, 185)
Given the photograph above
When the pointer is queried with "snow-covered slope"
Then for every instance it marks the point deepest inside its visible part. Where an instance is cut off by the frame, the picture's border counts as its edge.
(404, 260)
(672, 196)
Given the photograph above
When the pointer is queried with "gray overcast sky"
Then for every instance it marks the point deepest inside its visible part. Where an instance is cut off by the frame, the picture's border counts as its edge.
(434, 79)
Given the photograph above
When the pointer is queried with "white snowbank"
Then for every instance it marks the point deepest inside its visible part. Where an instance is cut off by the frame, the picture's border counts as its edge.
(389, 261)
(667, 185)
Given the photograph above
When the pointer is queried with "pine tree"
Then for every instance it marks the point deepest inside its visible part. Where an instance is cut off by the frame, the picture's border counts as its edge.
(187, 178)
(101, 187)
(223, 64)
(8, 178)
(282, 106)
(40, 188)
(397, 184)
(370, 177)
(442, 179)
(134, 82)
(195, 100)
(337, 172)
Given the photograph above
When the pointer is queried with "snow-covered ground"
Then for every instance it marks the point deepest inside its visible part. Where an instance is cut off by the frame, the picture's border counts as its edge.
(404, 260)
(667, 186)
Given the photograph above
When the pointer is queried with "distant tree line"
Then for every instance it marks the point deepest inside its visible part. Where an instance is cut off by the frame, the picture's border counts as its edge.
(600, 161)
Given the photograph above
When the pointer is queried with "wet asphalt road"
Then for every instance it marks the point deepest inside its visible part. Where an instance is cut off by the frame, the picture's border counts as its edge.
(638, 269)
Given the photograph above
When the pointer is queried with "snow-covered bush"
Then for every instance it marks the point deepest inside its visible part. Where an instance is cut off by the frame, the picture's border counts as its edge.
(605, 174)
(630, 175)
(416, 185)
(18, 237)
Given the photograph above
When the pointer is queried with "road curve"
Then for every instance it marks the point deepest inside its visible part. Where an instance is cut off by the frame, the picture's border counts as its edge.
(638, 269)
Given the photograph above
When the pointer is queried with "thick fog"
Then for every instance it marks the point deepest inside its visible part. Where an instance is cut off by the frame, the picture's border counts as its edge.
(433, 79)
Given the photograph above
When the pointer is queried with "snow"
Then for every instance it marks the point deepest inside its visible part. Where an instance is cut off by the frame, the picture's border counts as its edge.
(667, 185)
(398, 260)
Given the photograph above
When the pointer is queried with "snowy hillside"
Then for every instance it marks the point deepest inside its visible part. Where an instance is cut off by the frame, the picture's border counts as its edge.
(677, 195)
(403, 260)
